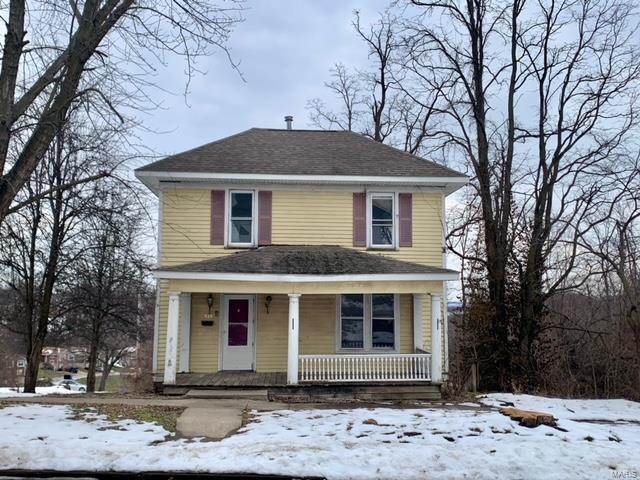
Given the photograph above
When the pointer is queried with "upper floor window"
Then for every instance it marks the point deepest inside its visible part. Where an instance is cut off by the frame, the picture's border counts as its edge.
(382, 220)
(241, 218)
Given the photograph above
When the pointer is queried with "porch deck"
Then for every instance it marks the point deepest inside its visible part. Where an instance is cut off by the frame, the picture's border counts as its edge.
(241, 379)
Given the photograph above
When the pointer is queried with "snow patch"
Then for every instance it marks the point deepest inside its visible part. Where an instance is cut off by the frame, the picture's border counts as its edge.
(359, 443)
(6, 392)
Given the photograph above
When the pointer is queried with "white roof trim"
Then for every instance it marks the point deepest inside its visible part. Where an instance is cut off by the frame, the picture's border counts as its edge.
(289, 278)
(152, 179)
(321, 178)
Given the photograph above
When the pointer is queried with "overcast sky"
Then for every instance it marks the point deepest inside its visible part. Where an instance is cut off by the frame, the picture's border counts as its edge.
(285, 49)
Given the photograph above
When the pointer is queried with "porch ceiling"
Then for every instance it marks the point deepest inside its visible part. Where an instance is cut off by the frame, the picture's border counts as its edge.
(319, 288)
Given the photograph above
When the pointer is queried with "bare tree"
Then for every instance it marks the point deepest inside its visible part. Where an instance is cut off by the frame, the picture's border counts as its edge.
(347, 88)
(39, 239)
(109, 279)
(44, 71)
(369, 101)
(537, 158)
(614, 242)
(380, 39)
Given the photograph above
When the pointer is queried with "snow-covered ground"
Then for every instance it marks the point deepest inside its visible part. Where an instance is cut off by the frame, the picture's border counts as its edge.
(599, 439)
(6, 392)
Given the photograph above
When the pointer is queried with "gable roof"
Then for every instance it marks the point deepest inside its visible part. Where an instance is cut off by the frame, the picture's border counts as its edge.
(305, 260)
(266, 151)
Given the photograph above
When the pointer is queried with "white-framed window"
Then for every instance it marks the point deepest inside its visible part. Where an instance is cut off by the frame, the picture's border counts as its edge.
(241, 231)
(382, 224)
(367, 322)
(352, 321)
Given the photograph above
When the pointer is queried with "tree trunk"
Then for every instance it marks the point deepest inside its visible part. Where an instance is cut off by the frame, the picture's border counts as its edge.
(34, 354)
(106, 370)
(93, 362)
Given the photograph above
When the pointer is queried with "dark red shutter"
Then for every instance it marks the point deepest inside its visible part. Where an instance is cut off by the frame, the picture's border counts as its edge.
(217, 217)
(264, 218)
(359, 219)
(406, 221)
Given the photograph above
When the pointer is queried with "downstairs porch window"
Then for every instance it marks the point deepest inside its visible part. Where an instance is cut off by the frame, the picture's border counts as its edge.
(382, 321)
(352, 321)
(367, 322)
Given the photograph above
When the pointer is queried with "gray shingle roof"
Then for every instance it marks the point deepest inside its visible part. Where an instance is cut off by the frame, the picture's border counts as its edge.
(305, 260)
(299, 152)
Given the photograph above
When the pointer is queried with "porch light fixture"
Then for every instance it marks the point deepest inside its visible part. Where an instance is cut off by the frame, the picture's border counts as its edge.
(210, 302)
(267, 302)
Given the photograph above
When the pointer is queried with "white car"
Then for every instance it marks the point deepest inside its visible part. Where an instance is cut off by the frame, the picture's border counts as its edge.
(72, 385)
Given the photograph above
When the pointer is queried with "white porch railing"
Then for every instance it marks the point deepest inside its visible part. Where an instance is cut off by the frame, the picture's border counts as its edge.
(365, 368)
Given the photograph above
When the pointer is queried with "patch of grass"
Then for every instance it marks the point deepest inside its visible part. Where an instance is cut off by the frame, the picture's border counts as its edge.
(165, 417)
(115, 383)
(48, 375)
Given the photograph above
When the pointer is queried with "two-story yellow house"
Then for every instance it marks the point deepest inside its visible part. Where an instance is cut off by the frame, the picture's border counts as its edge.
(300, 257)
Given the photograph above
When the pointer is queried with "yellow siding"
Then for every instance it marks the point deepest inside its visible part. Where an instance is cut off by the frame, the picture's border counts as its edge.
(299, 218)
(271, 338)
(326, 218)
(204, 340)
(186, 228)
(406, 324)
(302, 218)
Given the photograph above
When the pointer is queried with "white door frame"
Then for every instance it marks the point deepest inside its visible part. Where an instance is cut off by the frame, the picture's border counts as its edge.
(224, 326)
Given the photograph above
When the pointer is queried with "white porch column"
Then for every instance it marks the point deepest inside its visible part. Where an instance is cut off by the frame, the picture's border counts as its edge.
(418, 336)
(436, 342)
(185, 332)
(171, 350)
(294, 333)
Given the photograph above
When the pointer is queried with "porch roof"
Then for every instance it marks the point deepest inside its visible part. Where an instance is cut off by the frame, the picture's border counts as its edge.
(299, 263)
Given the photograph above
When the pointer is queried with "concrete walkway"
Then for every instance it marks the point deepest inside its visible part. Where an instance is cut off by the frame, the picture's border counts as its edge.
(211, 422)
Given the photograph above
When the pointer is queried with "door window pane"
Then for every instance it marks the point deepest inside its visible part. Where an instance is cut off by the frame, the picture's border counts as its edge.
(352, 321)
(382, 220)
(241, 217)
(382, 321)
(238, 311)
(238, 334)
(238, 323)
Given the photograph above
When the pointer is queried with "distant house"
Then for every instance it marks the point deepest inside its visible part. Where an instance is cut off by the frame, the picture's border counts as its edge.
(12, 369)
(306, 257)
(64, 357)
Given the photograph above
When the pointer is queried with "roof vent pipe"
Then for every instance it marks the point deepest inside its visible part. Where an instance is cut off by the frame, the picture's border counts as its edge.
(289, 120)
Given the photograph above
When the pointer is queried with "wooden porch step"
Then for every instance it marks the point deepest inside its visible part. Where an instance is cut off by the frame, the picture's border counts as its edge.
(254, 394)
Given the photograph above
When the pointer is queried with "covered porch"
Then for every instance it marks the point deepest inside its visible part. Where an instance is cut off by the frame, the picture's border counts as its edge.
(291, 328)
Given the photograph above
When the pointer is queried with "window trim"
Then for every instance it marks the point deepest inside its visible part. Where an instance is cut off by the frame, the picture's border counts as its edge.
(368, 325)
(394, 218)
(254, 219)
